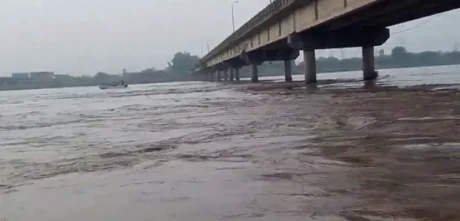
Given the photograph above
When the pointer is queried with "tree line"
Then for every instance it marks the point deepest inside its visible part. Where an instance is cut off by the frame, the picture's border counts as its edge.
(398, 58)
(182, 63)
(178, 69)
(180, 66)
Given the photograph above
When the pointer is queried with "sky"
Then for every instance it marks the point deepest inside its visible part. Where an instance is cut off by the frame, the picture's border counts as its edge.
(83, 37)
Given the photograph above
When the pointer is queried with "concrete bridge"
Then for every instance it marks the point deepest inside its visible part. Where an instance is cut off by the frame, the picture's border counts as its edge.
(285, 27)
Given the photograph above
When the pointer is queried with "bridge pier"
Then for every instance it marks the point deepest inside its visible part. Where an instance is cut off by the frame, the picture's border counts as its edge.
(288, 70)
(226, 75)
(255, 73)
(369, 72)
(237, 74)
(309, 59)
(218, 78)
(231, 74)
(210, 75)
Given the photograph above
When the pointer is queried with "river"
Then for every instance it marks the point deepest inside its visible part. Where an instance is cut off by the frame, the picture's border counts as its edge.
(207, 151)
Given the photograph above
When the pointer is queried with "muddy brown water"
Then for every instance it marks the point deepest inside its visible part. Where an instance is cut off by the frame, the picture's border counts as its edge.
(205, 151)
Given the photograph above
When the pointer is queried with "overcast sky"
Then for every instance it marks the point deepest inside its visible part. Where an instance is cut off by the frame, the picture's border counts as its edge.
(82, 37)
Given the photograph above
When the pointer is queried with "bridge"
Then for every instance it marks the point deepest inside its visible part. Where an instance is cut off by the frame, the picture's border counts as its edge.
(285, 27)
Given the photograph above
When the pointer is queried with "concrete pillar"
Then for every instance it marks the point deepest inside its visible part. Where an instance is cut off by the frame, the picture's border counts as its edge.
(237, 74)
(309, 59)
(218, 78)
(211, 76)
(231, 74)
(369, 72)
(255, 73)
(288, 70)
(226, 75)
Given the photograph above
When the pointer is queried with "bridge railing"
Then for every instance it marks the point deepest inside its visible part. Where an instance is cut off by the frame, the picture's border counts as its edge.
(270, 10)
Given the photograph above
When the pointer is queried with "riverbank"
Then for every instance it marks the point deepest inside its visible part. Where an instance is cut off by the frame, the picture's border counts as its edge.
(270, 74)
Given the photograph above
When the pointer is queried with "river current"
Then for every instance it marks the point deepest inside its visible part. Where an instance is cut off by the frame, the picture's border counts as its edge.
(213, 151)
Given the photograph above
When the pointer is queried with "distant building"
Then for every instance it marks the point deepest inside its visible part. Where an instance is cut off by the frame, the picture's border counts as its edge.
(20, 76)
(42, 76)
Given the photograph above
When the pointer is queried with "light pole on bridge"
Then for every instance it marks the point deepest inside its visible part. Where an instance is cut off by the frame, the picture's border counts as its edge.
(233, 15)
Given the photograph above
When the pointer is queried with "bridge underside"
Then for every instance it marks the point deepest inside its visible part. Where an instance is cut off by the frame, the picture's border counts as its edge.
(320, 24)
(387, 13)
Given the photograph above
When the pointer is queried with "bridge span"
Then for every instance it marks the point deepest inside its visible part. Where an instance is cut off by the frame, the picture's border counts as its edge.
(285, 27)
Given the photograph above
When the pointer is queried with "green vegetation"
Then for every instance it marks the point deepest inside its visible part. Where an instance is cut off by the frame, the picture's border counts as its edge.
(178, 70)
(179, 67)
(399, 58)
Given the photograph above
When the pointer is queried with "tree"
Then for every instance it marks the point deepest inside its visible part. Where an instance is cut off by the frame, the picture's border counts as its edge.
(381, 52)
(430, 58)
(399, 52)
(103, 78)
(183, 63)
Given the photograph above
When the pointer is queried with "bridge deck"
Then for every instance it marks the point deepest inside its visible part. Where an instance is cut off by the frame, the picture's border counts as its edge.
(282, 18)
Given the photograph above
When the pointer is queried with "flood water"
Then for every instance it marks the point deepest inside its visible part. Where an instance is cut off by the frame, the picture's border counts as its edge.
(207, 151)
